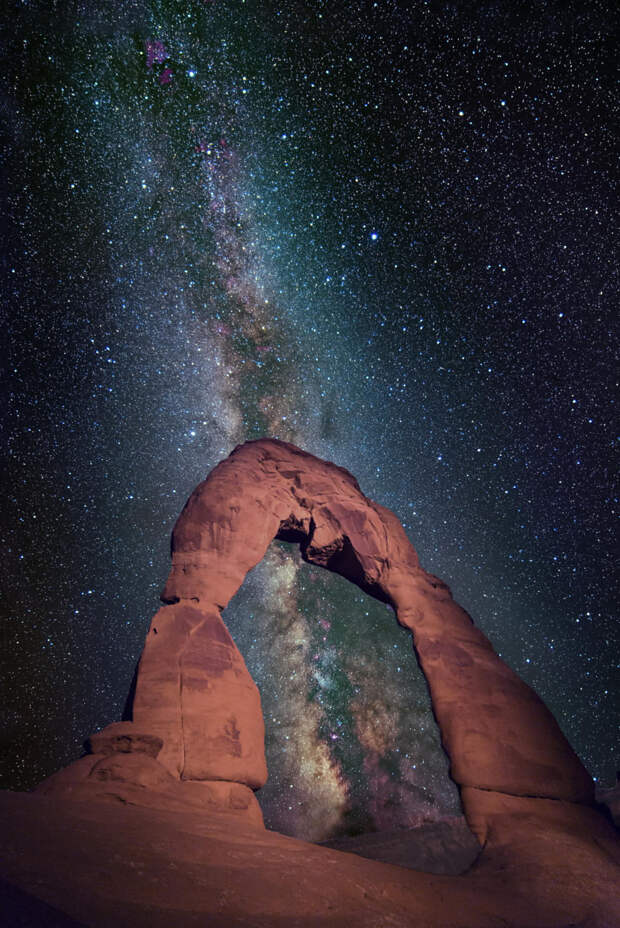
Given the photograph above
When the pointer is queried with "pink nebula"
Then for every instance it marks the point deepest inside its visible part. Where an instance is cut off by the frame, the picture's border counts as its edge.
(155, 52)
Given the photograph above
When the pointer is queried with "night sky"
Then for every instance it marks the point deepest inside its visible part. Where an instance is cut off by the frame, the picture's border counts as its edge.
(383, 231)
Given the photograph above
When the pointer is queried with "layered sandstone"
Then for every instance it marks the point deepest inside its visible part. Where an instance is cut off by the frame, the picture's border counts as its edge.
(193, 689)
(178, 839)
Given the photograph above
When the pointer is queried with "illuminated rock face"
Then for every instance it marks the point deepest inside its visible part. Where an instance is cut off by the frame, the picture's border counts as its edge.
(178, 780)
(195, 692)
(193, 688)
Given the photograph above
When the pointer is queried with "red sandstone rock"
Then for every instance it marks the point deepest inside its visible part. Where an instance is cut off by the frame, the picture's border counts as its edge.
(138, 779)
(194, 691)
(120, 865)
(610, 797)
(122, 738)
(135, 769)
(135, 835)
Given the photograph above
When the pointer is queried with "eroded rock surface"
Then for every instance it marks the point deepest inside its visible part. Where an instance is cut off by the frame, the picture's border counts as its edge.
(178, 839)
(123, 768)
(122, 738)
(446, 846)
(193, 689)
(130, 867)
(195, 692)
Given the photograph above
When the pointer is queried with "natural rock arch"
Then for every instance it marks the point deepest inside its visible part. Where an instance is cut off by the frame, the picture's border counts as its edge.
(548, 857)
(194, 692)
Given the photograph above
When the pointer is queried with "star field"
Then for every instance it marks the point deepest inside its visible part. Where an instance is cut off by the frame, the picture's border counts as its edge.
(381, 231)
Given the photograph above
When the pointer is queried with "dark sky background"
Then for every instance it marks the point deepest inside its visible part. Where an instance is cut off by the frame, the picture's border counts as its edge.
(383, 231)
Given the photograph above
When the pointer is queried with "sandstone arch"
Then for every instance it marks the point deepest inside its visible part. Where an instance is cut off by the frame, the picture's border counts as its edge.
(195, 748)
(194, 692)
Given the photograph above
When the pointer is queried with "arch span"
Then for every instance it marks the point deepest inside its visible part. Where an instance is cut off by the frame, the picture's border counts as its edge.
(195, 693)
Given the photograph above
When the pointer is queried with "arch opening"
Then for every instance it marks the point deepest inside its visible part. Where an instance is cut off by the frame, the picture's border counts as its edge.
(351, 742)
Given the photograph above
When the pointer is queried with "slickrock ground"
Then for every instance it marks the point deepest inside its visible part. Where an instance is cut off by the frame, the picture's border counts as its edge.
(159, 824)
(446, 846)
(610, 797)
(106, 864)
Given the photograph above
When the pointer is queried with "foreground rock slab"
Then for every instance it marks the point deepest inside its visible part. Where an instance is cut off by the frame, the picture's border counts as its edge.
(446, 846)
(99, 864)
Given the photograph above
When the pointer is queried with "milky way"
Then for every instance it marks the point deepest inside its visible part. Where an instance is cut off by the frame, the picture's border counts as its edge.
(382, 232)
